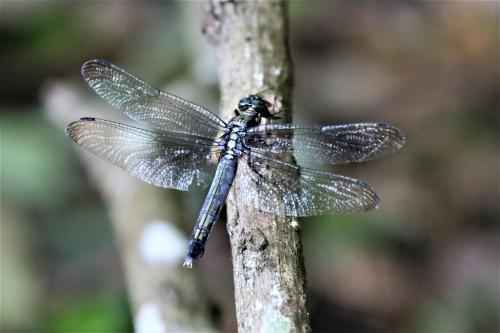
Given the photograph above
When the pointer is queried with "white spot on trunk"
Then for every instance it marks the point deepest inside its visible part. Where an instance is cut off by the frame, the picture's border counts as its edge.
(258, 305)
(258, 77)
(247, 51)
(275, 321)
(148, 319)
(275, 70)
(295, 224)
(162, 243)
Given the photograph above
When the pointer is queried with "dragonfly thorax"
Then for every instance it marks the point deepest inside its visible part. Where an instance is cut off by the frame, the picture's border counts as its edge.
(256, 105)
(231, 142)
(252, 101)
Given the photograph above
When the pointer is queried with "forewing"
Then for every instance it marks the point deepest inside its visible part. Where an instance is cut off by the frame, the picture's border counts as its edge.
(281, 188)
(143, 103)
(170, 160)
(335, 144)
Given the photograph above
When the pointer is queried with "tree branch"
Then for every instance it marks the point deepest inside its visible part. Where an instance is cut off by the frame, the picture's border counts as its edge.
(250, 40)
(164, 296)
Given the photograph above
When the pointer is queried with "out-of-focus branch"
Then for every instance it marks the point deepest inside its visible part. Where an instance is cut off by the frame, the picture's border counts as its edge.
(164, 296)
(250, 39)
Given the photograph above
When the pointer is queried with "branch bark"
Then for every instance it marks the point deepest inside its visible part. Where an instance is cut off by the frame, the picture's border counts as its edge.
(251, 46)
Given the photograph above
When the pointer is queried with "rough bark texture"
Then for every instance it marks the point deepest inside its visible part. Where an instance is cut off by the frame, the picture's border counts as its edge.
(165, 297)
(250, 39)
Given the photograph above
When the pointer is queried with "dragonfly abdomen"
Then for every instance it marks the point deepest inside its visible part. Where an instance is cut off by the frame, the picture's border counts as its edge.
(209, 213)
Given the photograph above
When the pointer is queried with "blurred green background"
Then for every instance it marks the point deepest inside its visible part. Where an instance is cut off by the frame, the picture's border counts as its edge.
(426, 261)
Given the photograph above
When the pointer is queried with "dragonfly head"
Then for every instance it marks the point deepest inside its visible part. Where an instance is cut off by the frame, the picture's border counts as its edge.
(256, 104)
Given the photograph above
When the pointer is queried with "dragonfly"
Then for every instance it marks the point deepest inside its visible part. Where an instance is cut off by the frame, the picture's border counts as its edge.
(183, 142)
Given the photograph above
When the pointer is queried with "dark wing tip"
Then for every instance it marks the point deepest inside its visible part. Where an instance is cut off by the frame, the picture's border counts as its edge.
(372, 199)
(402, 138)
(374, 204)
(87, 119)
(90, 65)
(398, 138)
(95, 62)
(70, 128)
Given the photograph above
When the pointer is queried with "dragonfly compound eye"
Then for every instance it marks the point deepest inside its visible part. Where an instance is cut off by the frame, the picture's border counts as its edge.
(244, 103)
(259, 104)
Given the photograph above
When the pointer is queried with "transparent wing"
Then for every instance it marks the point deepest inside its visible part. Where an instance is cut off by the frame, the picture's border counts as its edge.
(163, 159)
(335, 144)
(143, 103)
(281, 188)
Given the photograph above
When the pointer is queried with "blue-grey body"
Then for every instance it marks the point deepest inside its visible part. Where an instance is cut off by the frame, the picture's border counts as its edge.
(249, 113)
(221, 184)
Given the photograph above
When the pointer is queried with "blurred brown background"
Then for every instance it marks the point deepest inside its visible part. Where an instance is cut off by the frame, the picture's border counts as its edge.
(426, 261)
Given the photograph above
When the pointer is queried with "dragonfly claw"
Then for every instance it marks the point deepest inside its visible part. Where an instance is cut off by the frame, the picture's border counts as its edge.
(188, 262)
